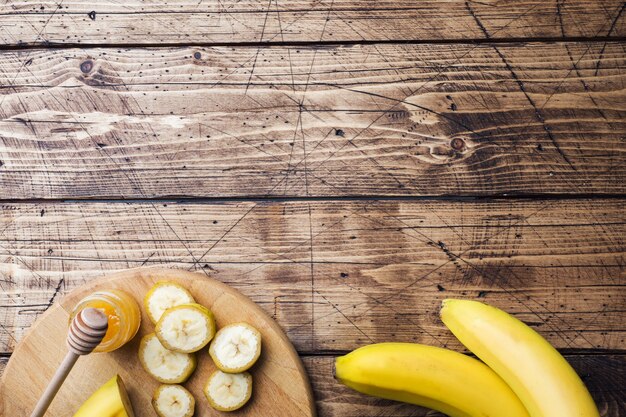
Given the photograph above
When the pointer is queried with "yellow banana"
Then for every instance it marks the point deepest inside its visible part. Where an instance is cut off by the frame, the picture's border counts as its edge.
(110, 400)
(428, 376)
(537, 373)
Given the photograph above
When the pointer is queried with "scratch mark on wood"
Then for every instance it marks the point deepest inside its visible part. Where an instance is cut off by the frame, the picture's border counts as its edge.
(477, 20)
(560, 17)
(413, 92)
(196, 262)
(611, 28)
(17, 73)
(256, 56)
(538, 113)
(148, 258)
(313, 290)
(57, 290)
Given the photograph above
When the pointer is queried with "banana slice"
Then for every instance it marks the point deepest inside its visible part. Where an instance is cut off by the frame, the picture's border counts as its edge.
(173, 401)
(165, 365)
(236, 347)
(164, 295)
(186, 328)
(228, 392)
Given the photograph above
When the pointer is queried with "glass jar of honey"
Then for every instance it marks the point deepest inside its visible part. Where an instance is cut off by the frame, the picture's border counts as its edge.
(123, 314)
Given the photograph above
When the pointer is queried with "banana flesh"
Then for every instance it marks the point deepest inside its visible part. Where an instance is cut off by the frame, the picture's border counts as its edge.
(437, 378)
(173, 401)
(163, 364)
(543, 380)
(186, 328)
(164, 295)
(228, 392)
(236, 347)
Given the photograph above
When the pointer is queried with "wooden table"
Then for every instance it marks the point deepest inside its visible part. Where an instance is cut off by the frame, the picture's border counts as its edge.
(347, 164)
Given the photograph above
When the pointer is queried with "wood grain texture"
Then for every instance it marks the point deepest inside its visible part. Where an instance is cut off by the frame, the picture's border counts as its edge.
(304, 121)
(337, 275)
(604, 376)
(238, 101)
(187, 21)
(281, 386)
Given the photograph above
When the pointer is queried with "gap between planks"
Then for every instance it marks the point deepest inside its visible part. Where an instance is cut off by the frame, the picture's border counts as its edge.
(280, 199)
(262, 44)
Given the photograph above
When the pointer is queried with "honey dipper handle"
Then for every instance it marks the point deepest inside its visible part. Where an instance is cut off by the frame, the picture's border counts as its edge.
(55, 384)
(86, 332)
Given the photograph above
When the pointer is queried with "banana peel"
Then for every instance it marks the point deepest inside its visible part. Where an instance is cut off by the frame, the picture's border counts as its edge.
(544, 381)
(110, 400)
(428, 376)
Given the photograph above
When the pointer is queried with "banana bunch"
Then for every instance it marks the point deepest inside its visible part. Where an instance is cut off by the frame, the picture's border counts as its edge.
(521, 375)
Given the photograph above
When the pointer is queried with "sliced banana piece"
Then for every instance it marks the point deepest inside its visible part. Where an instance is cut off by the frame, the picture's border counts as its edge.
(236, 347)
(164, 295)
(163, 364)
(186, 328)
(228, 392)
(173, 401)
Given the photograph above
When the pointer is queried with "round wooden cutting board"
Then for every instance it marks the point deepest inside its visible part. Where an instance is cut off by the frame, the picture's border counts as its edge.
(280, 387)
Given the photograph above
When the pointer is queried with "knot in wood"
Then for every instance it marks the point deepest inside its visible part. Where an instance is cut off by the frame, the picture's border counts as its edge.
(457, 144)
(86, 66)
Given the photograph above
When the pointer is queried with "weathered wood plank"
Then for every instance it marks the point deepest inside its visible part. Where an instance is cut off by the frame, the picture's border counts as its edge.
(604, 375)
(360, 120)
(337, 275)
(143, 22)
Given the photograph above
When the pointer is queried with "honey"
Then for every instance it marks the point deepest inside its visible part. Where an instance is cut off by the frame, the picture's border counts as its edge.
(123, 315)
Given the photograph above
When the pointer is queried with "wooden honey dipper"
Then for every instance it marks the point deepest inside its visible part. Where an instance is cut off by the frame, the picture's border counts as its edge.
(86, 332)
